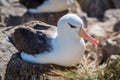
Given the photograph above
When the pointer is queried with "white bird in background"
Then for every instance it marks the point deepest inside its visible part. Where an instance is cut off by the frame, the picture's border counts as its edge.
(52, 6)
(67, 43)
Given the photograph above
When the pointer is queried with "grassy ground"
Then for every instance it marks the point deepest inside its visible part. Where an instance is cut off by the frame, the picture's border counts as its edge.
(92, 71)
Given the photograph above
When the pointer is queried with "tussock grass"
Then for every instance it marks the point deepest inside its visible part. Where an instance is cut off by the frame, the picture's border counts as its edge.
(92, 71)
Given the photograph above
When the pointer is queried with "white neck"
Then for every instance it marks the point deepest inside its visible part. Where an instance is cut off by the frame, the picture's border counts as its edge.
(66, 34)
(68, 46)
(66, 38)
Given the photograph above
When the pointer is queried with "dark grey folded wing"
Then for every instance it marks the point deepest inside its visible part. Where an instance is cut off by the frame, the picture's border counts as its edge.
(33, 41)
(31, 3)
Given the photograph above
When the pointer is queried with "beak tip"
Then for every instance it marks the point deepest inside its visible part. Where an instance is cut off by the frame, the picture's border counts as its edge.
(96, 43)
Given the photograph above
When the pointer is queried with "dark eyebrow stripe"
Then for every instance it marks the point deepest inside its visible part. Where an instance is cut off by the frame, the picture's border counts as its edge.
(72, 25)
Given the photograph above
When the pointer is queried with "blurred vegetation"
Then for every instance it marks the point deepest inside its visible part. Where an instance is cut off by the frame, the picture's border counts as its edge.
(92, 71)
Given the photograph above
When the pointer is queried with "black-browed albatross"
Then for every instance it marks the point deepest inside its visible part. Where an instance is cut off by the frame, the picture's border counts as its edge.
(67, 43)
(46, 6)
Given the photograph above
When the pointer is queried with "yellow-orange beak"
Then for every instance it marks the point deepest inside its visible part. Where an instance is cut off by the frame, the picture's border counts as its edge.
(86, 36)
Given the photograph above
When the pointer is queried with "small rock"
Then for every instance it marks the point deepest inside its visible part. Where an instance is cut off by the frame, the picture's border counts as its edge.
(97, 31)
(113, 57)
(112, 14)
(5, 3)
(116, 27)
(112, 47)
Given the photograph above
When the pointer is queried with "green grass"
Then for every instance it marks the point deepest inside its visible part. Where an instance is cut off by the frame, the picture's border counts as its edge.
(112, 70)
(92, 71)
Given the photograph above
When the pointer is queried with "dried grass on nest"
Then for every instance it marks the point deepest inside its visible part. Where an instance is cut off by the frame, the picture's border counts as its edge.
(92, 71)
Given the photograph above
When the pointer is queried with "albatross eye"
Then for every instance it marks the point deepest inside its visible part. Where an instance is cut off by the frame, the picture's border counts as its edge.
(72, 26)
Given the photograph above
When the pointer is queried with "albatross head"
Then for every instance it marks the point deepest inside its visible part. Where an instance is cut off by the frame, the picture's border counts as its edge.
(72, 26)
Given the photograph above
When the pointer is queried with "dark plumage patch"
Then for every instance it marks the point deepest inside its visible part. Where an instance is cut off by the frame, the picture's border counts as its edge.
(116, 27)
(30, 41)
(71, 25)
(39, 27)
(31, 3)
